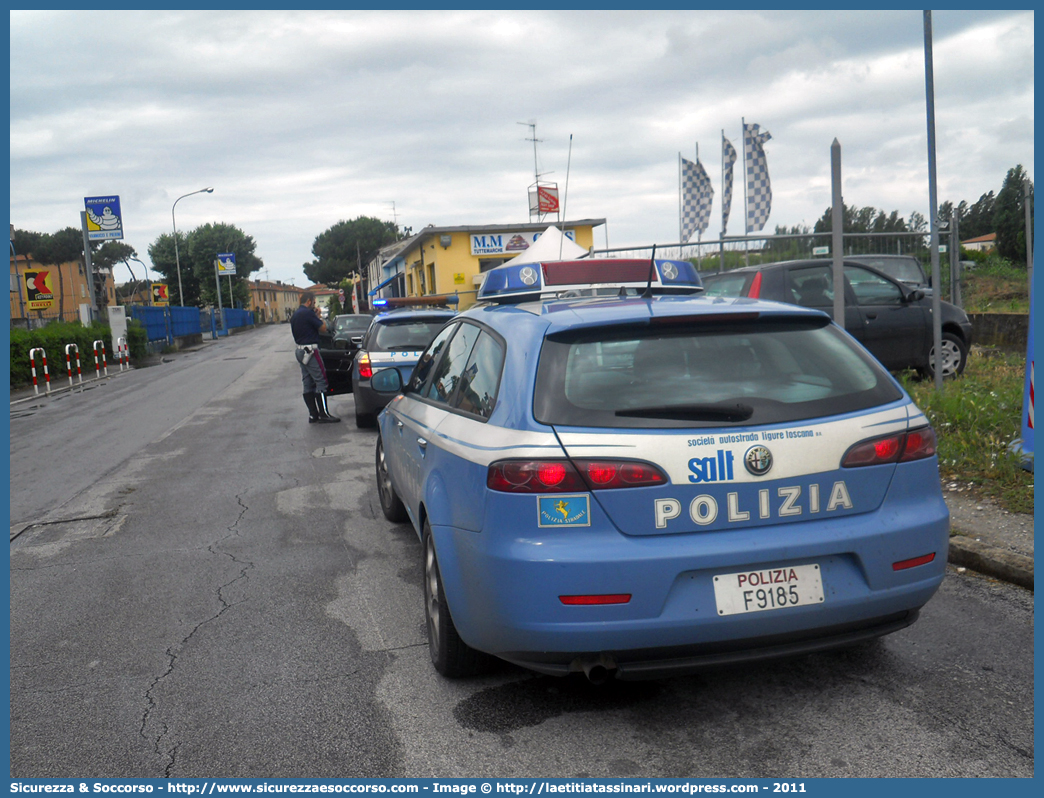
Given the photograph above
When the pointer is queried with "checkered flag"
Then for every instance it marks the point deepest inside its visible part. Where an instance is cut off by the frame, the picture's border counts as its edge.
(759, 189)
(728, 158)
(697, 197)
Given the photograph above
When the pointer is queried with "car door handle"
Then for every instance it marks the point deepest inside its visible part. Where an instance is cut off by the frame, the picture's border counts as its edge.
(871, 315)
(421, 442)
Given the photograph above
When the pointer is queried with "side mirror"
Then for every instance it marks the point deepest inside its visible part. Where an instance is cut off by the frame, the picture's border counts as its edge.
(915, 296)
(386, 381)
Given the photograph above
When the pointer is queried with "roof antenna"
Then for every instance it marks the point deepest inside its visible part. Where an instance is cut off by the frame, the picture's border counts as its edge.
(652, 265)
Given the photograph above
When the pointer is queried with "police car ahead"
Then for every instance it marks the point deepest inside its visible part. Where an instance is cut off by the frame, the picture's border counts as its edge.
(637, 481)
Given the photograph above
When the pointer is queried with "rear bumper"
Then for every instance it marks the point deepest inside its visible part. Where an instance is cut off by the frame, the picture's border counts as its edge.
(503, 587)
(680, 660)
(367, 400)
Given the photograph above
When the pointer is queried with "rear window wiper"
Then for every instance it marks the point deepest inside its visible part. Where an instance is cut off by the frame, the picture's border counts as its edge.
(718, 411)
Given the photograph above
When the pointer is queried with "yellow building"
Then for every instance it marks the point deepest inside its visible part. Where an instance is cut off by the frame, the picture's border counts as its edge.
(453, 260)
(47, 293)
(273, 301)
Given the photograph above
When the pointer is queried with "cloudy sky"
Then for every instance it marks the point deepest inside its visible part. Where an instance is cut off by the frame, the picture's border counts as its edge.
(302, 119)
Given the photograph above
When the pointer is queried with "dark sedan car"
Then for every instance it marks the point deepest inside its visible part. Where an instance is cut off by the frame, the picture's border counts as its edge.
(889, 318)
(904, 268)
(338, 347)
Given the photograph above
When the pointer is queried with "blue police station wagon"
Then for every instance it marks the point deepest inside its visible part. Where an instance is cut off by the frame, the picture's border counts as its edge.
(612, 475)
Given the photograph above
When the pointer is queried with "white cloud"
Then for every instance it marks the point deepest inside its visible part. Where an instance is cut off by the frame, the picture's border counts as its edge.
(301, 119)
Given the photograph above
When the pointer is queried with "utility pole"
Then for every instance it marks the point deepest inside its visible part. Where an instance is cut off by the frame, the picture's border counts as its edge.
(933, 203)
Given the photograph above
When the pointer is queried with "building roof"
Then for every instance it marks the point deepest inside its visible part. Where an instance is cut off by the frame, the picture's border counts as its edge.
(981, 239)
(496, 228)
(273, 285)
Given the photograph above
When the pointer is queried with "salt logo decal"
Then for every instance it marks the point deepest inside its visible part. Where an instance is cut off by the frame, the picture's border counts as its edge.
(712, 469)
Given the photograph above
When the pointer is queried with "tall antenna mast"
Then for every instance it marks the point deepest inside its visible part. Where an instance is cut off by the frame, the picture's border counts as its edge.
(541, 194)
(532, 129)
(395, 216)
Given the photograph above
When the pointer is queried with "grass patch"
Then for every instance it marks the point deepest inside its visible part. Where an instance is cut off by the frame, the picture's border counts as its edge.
(976, 417)
(995, 286)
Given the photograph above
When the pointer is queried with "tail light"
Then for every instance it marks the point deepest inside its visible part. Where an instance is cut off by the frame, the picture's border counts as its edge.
(755, 287)
(560, 476)
(898, 448)
(365, 369)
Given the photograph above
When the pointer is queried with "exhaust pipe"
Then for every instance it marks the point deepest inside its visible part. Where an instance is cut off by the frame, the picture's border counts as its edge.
(599, 671)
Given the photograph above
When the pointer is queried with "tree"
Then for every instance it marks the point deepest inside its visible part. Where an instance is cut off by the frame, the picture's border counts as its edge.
(197, 252)
(110, 253)
(347, 247)
(1009, 216)
(106, 257)
(25, 242)
(978, 220)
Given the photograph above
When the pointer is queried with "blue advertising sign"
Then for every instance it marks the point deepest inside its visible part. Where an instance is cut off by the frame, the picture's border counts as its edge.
(104, 220)
(226, 263)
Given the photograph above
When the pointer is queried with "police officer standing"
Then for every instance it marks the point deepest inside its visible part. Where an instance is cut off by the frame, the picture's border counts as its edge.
(306, 324)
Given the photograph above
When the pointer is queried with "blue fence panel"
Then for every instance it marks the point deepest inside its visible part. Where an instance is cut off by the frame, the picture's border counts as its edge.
(236, 317)
(185, 321)
(153, 319)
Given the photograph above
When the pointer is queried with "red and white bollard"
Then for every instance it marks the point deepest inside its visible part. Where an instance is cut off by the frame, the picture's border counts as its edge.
(122, 353)
(98, 369)
(68, 363)
(32, 364)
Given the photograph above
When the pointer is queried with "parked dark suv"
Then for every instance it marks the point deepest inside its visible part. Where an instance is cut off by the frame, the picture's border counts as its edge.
(338, 347)
(889, 318)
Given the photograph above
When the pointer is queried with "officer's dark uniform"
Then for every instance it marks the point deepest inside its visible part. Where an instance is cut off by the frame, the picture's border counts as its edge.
(304, 325)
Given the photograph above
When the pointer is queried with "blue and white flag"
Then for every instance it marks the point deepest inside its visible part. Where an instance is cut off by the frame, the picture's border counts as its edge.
(697, 197)
(728, 158)
(759, 190)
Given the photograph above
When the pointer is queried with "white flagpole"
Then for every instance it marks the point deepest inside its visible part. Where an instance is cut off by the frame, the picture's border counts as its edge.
(699, 233)
(746, 232)
(721, 244)
(680, 198)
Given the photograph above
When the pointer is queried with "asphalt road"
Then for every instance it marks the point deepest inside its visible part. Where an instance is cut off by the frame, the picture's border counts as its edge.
(203, 585)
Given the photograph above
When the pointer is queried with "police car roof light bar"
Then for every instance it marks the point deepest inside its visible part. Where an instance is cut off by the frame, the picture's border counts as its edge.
(416, 301)
(531, 281)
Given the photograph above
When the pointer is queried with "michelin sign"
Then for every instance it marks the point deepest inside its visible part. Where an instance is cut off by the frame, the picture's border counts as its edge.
(104, 220)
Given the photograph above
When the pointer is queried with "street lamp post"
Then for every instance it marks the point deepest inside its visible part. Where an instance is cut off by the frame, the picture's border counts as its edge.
(148, 286)
(139, 260)
(177, 257)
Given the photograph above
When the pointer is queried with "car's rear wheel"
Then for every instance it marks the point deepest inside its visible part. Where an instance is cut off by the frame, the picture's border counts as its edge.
(391, 505)
(954, 357)
(450, 655)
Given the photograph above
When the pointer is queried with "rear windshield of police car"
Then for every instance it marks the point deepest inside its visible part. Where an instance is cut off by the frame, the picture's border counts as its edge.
(405, 335)
(354, 323)
(700, 374)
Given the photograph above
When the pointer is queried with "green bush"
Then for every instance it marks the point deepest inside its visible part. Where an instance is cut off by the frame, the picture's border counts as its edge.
(137, 340)
(53, 339)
